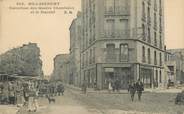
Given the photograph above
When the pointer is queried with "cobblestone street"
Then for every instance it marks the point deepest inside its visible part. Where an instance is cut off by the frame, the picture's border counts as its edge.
(103, 103)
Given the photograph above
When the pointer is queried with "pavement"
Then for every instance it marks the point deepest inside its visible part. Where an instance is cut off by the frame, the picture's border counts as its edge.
(155, 90)
(7, 109)
(155, 101)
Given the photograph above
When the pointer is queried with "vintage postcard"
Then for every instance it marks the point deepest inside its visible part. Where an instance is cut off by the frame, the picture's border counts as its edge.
(91, 57)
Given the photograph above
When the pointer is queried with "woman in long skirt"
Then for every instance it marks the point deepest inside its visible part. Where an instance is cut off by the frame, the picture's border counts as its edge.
(19, 94)
(35, 101)
(110, 86)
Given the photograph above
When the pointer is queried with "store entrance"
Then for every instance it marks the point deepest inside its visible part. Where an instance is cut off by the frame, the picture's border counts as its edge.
(122, 76)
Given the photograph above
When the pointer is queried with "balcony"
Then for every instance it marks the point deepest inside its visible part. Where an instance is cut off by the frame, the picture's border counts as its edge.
(116, 33)
(117, 11)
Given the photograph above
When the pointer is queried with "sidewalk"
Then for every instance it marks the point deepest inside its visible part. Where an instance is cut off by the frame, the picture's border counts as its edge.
(156, 90)
(163, 90)
(8, 109)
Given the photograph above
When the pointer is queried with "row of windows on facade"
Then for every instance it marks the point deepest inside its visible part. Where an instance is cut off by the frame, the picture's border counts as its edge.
(115, 27)
(89, 29)
(88, 40)
(149, 56)
(118, 7)
(148, 19)
(112, 28)
(88, 58)
(156, 2)
(124, 55)
(146, 78)
(147, 36)
(89, 17)
(110, 54)
(147, 27)
(121, 6)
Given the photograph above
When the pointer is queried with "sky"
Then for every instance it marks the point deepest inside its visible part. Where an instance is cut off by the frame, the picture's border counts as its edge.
(51, 31)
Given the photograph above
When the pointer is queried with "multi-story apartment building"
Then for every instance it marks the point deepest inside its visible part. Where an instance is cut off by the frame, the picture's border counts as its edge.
(170, 69)
(0, 19)
(75, 37)
(122, 40)
(177, 56)
(61, 68)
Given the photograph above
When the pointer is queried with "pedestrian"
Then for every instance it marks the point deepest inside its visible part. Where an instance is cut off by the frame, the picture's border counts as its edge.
(110, 86)
(19, 91)
(11, 93)
(26, 94)
(139, 88)
(60, 89)
(84, 86)
(132, 90)
(35, 100)
(113, 86)
(117, 85)
(33, 96)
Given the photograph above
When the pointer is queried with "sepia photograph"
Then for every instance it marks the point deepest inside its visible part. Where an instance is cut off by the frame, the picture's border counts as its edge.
(91, 56)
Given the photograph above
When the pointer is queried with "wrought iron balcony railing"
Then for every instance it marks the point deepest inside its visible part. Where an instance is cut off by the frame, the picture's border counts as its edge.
(116, 33)
(117, 11)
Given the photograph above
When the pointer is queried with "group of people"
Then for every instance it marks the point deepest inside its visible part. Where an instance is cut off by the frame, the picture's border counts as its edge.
(25, 93)
(133, 87)
(30, 95)
(10, 92)
(114, 85)
(136, 87)
(20, 93)
(55, 89)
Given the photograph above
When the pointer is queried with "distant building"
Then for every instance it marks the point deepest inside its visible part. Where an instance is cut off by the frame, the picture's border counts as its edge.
(24, 60)
(170, 69)
(61, 67)
(1, 19)
(178, 58)
(75, 37)
(122, 40)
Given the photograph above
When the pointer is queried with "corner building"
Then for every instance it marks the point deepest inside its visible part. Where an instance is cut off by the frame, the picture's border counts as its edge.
(124, 40)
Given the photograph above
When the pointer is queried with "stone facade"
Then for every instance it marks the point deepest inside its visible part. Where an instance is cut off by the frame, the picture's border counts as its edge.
(75, 37)
(122, 39)
(61, 68)
(170, 68)
(24, 60)
(1, 19)
(177, 56)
